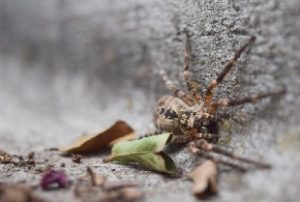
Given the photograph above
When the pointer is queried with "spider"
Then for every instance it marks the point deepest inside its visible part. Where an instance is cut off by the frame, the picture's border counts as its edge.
(190, 117)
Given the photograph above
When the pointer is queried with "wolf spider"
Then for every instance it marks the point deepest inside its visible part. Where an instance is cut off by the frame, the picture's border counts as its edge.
(190, 116)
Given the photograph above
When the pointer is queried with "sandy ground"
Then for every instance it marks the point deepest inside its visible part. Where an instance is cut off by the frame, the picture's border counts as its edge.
(83, 72)
(40, 112)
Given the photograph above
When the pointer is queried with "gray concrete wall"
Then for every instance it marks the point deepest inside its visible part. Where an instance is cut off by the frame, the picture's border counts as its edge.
(69, 67)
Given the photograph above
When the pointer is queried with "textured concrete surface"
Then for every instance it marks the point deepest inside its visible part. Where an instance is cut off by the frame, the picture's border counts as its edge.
(69, 67)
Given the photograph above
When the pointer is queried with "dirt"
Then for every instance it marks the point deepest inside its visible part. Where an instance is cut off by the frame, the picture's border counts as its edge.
(69, 68)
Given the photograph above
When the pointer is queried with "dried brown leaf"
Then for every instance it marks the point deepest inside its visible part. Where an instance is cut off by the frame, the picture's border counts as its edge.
(89, 144)
(205, 178)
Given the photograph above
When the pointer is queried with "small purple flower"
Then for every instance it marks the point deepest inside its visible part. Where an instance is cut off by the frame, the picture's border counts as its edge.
(57, 177)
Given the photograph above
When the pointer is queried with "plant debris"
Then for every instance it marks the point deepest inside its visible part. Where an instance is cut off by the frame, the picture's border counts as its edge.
(89, 144)
(17, 160)
(17, 193)
(119, 184)
(5, 157)
(30, 161)
(54, 179)
(131, 194)
(97, 194)
(98, 189)
(205, 179)
(146, 151)
(96, 180)
(76, 158)
(89, 183)
(30, 155)
(123, 194)
(44, 169)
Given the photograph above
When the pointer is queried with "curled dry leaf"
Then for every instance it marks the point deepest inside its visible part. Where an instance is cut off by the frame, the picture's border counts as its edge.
(89, 144)
(96, 180)
(146, 151)
(205, 178)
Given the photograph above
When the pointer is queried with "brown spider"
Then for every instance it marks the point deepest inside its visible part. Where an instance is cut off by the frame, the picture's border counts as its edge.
(190, 116)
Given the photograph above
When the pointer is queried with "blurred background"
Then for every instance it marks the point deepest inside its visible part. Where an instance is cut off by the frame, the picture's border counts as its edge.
(68, 67)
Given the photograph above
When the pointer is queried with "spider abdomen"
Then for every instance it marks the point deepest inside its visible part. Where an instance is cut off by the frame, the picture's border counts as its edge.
(173, 115)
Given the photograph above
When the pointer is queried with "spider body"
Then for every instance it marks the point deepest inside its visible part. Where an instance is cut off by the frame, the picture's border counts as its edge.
(189, 116)
(173, 115)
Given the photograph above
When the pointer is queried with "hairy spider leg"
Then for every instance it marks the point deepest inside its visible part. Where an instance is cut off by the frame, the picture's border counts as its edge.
(192, 87)
(195, 136)
(195, 150)
(176, 91)
(205, 146)
(224, 102)
(180, 139)
(214, 83)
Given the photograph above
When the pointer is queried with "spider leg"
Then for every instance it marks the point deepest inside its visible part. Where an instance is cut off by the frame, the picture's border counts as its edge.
(205, 146)
(180, 139)
(176, 91)
(195, 150)
(189, 137)
(224, 102)
(206, 136)
(214, 83)
(192, 86)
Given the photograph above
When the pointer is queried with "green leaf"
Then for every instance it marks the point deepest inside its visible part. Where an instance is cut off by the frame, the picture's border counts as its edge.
(146, 151)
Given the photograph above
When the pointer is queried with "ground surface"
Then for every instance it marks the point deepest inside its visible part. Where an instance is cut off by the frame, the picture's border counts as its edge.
(70, 67)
